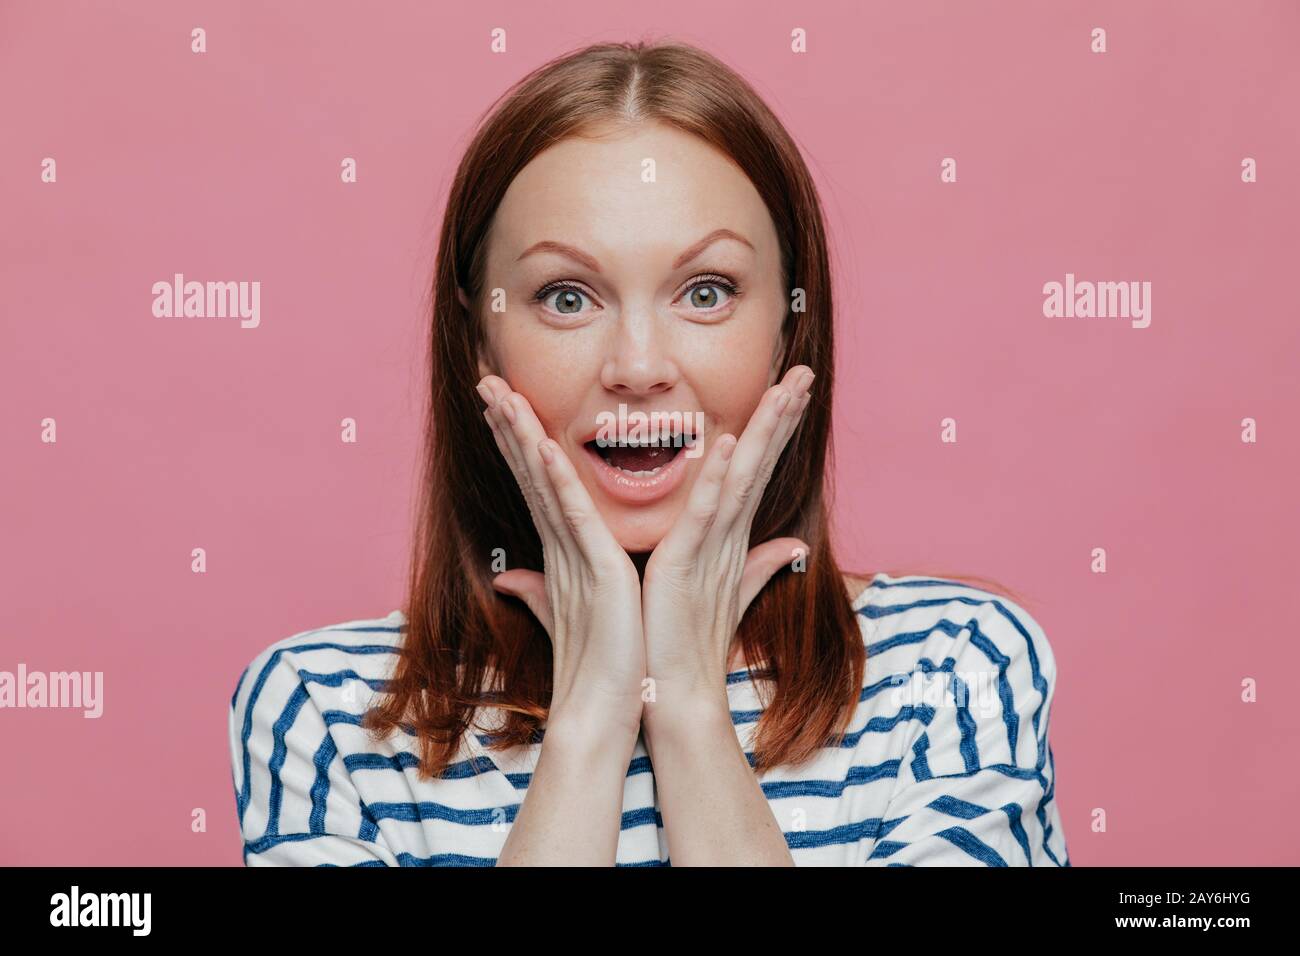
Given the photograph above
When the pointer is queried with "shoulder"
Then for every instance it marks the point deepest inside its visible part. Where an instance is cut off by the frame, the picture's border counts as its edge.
(331, 670)
(959, 696)
(926, 616)
(323, 650)
(296, 710)
(952, 640)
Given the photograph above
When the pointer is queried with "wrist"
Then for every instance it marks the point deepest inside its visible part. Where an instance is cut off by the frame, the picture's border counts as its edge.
(682, 720)
(590, 737)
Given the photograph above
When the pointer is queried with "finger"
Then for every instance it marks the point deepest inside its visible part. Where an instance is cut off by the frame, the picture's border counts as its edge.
(689, 531)
(529, 587)
(524, 431)
(525, 465)
(765, 560)
(576, 508)
(760, 446)
(510, 451)
(492, 388)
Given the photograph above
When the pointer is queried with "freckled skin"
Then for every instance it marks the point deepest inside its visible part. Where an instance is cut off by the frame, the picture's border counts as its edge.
(636, 333)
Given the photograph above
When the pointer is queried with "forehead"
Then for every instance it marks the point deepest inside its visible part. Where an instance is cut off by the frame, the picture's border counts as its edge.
(642, 187)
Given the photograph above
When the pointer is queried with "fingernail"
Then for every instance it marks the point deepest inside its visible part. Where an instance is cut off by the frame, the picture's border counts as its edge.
(544, 449)
(782, 400)
(484, 392)
(508, 410)
(808, 378)
(728, 446)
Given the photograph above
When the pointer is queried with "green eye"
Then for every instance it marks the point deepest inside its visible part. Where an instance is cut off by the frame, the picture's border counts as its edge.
(568, 298)
(703, 294)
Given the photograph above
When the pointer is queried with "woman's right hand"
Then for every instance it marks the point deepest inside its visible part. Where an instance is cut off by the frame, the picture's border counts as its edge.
(589, 598)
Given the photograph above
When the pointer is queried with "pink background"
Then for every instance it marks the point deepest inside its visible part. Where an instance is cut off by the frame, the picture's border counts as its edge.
(1073, 433)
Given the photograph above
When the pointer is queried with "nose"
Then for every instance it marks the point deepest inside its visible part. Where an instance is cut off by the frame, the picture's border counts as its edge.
(638, 359)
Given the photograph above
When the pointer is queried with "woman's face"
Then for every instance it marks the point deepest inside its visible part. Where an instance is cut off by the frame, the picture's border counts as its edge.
(670, 300)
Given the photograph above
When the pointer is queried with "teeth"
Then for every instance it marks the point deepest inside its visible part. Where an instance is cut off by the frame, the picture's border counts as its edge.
(662, 443)
(640, 474)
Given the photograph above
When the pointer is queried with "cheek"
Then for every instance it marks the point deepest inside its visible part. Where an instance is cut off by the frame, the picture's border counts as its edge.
(551, 375)
(732, 380)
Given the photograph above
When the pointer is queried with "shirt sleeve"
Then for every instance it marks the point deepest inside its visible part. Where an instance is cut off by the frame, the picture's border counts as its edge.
(976, 786)
(296, 802)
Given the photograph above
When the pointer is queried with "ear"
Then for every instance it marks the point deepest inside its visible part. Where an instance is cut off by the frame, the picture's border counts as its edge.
(464, 299)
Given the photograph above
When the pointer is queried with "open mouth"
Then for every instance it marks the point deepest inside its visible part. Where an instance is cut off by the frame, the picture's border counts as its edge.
(639, 467)
(640, 459)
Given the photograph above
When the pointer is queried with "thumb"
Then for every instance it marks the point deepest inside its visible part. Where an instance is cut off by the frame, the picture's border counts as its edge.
(765, 560)
(529, 587)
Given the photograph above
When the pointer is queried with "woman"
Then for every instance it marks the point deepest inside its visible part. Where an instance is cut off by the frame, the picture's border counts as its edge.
(627, 640)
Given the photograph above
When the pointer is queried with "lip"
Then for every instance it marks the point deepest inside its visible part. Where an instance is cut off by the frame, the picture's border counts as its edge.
(629, 489)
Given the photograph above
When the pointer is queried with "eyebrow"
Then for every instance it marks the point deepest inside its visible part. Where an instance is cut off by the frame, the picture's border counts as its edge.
(549, 245)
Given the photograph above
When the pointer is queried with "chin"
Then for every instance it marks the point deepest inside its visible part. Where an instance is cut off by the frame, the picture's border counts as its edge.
(639, 532)
(636, 537)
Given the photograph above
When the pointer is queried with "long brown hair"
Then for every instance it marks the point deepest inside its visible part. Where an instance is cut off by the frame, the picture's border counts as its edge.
(459, 629)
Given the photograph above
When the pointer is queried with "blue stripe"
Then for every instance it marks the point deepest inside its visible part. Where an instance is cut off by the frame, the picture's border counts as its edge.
(920, 765)
(954, 807)
(364, 863)
(235, 695)
(459, 859)
(402, 760)
(369, 629)
(884, 725)
(869, 829)
(320, 789)
(1012, 810)
(645, 816)
(336, 679)
(278, 754)
(265, 843)
(885, 849)
(778, 789)
(445, 859)
(429, 810)
(970, 844)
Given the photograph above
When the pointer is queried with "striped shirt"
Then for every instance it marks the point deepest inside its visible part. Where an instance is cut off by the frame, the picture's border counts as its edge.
(946, 761)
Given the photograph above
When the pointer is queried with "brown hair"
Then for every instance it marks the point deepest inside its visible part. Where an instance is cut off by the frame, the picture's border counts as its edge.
(802, 625)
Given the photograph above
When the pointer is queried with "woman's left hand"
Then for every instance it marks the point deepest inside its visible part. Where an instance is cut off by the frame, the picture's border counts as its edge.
(703, 574)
